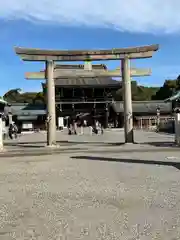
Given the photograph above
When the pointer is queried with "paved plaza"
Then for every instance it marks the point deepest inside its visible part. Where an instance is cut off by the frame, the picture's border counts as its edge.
(91, 187)
(111, 137)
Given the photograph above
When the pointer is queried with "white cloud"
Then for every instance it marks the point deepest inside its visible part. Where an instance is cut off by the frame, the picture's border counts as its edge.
(151, 16)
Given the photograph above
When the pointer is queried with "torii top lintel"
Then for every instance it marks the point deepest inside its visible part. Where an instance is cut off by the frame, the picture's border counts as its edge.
(29, 54)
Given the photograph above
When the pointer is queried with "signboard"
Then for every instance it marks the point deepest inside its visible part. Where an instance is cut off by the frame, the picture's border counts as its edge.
(25, 118)
(60, 122)
(27, 125)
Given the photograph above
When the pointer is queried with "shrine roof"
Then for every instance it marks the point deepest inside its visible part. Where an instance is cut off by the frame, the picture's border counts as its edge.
(27, 109)
(174, 97)
(88, 82)
(85, 82)
(144, 106)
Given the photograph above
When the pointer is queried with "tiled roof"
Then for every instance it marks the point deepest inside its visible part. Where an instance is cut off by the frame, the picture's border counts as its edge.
(144, 107)
(28, 109)
(2, 101)
(91, 81)
(96, 81)
(175, 97)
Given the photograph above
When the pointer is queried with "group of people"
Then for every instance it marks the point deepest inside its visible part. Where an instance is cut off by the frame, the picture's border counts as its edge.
(72, 127)
(73, 124)
(11, 131)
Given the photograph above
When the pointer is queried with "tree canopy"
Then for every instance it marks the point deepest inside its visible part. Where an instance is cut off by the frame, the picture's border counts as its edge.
(168, 89)
(139, 93)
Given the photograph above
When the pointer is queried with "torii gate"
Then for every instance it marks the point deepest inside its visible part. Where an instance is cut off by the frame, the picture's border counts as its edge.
(123, 54)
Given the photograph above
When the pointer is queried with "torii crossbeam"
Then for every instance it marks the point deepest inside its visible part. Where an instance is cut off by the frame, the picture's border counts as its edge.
(74, 73)
(30, 54)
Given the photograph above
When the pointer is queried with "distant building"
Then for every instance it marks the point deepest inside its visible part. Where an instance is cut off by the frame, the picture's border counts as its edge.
(90, 98)
(144, 113)
(3, 103)
(29, 116)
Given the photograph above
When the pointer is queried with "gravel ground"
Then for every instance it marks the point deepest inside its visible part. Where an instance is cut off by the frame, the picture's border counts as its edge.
(92, 194)
(57, 197)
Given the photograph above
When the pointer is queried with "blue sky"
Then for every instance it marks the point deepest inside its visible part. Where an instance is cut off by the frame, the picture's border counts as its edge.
(86, 24)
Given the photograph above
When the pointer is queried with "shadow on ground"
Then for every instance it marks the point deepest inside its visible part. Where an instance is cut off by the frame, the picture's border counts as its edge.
(161, 144)
(41, 144)
(64, 143)
(35, 144)
(118, 143)
(135, 161)
(153, 143)
(39, 152)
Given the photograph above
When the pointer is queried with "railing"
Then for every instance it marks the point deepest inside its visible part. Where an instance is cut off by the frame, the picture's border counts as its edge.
(83, 100)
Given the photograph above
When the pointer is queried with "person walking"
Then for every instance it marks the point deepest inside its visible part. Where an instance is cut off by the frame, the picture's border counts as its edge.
(82, 126)
(101, 127)
(15, 129)
(90, 130)
(69, 124)
(11, 131)
(74, 127)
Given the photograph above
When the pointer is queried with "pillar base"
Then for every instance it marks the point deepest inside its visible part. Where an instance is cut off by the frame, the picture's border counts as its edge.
(177, 142)
(53, 145)
(1, 149)
(129, 137)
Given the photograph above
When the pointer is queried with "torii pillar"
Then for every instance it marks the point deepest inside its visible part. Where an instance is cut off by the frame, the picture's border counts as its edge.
(127, 101)
(51, 104)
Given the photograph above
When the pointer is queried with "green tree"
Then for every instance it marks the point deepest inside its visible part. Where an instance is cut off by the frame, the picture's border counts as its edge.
(139, 93)
(39, 98)
(167, 90)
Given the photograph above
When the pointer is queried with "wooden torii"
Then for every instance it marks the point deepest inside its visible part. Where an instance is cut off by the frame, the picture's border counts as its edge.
(123, 54)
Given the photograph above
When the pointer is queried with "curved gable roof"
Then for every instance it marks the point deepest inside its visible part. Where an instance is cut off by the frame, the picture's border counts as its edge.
(87, 82)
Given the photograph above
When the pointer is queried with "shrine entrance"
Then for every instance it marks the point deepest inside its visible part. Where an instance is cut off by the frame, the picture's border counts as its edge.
(51, 56)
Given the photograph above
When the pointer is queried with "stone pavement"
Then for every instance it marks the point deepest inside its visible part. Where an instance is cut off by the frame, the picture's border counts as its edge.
(110, 141)
(109, 136)
(91, 187)
(101, 190)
